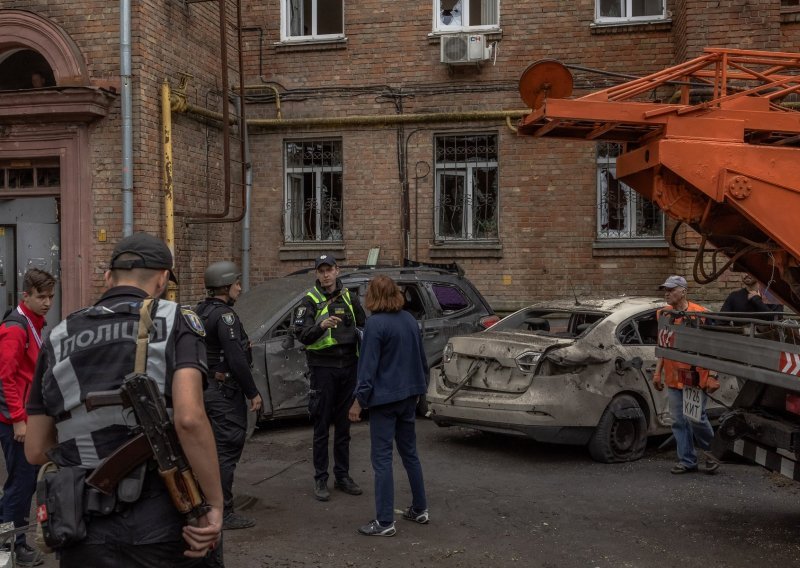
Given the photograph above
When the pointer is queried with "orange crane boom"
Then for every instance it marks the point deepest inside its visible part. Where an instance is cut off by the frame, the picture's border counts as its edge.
(711, 141)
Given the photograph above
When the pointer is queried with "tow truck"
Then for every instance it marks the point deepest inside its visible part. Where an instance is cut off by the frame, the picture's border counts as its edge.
(715, 143)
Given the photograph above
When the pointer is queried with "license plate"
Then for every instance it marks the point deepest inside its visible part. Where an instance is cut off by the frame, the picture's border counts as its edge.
(693, 404)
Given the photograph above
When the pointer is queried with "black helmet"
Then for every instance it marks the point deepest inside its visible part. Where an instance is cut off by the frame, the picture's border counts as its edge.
(222, 273)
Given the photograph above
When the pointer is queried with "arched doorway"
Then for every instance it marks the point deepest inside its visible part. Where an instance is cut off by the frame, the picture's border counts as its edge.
(47, 102)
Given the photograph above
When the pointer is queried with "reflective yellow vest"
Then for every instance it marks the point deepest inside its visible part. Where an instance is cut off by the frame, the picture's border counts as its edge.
(327, 339)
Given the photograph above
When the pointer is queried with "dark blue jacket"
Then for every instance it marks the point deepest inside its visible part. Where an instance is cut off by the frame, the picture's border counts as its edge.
(392, 364)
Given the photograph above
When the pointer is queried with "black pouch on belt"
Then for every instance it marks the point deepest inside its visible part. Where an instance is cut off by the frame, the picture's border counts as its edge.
(60, 505)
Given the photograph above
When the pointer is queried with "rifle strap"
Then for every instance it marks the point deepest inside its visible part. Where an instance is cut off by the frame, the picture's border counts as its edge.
(145, 325)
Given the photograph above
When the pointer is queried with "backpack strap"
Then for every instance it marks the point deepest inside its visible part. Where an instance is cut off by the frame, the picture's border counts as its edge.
(13, 317)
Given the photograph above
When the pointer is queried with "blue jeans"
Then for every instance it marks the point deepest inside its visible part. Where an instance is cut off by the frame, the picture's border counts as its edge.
(687, 432)
(20, 483)
(387, 422)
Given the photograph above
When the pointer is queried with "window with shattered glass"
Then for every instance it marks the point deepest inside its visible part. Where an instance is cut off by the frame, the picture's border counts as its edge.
(467, 193)
(314, 190)
(621, 212)
(457, 15)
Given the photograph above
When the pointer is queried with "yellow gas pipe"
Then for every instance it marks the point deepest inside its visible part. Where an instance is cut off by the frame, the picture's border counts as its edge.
(169, 196)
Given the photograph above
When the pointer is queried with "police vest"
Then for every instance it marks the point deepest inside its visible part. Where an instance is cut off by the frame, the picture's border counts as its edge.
(331, 336)
(93, 350)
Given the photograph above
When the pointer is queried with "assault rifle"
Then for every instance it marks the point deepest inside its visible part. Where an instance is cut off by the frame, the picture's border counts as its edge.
(157, 438)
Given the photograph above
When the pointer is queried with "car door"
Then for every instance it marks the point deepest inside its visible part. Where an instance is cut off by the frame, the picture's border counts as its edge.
(447, 303)
(286, 369)
(637, 337)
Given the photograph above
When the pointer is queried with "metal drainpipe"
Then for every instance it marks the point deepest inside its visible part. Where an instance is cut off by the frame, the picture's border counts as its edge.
(248, 188)
(169, 194)
(127, 116)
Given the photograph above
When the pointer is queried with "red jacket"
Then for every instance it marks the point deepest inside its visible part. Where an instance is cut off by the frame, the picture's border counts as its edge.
(17, 365)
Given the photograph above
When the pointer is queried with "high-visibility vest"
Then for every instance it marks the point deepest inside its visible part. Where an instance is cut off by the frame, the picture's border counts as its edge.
(327, 339)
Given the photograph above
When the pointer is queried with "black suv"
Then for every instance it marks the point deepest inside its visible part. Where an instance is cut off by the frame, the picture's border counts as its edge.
(441, 299)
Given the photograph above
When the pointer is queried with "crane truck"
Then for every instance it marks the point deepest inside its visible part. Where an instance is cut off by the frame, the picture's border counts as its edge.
(715, 143)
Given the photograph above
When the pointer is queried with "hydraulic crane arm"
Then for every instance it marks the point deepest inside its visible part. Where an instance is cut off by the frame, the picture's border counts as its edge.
(727, 164)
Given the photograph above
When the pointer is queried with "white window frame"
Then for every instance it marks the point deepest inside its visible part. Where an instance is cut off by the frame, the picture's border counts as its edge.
(286, 35)
(627, 233)
(291, 173)
(627, 5)
(438, 27)
(465, 170)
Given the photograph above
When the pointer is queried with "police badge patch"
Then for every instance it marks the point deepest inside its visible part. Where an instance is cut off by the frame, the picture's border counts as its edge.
(300, 312)
(228, 318)
(194, 321)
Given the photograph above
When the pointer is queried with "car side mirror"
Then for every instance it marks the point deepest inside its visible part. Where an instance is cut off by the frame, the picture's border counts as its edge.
(288, 342)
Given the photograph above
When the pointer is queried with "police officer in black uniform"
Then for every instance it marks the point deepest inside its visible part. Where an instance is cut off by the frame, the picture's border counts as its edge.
(326, 322)
(230, 380)
(93, 350)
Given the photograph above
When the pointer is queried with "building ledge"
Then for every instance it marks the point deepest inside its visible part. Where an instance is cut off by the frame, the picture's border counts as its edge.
(311, 45)
(310, 251)
(466, 250)
(55, 104)
(790, 15)
(630, 27)
(632, 247)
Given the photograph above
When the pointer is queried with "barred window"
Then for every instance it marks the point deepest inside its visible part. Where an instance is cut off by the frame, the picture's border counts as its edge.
(621, 212)
(467, 195)
(314, 189)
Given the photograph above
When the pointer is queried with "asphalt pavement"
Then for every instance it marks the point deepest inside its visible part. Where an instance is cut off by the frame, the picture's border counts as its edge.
(499, 501)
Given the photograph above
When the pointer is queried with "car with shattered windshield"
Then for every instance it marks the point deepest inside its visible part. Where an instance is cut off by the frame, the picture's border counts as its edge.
(567, 372)
(439, 296)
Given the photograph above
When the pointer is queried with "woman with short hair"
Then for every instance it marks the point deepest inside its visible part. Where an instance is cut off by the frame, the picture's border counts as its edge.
(392, 369)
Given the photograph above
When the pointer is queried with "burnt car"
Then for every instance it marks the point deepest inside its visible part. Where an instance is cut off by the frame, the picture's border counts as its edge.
(563, 372)
(442, 300)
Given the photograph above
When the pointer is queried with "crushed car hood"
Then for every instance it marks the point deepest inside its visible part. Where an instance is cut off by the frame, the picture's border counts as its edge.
(505, 346)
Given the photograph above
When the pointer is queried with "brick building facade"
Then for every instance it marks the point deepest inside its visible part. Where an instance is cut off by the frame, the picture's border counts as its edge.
(527, 219)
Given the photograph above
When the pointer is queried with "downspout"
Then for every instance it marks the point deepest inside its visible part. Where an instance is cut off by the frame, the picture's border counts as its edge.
(127, 120)
(248, 190)
(169, 194)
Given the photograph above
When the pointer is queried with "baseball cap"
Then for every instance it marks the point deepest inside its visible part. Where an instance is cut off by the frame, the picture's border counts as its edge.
(674, 282)
(326, 258)
(153, 253)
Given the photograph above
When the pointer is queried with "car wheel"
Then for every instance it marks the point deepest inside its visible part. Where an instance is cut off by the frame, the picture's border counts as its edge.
(621, 434)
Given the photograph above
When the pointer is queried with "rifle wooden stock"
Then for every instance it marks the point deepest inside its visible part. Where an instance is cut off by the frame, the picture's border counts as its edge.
(185, 493)
(98, 399)
(124, 460)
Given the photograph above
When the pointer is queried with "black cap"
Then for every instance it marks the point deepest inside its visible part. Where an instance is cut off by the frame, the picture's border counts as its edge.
(326, 258)
(153, 253)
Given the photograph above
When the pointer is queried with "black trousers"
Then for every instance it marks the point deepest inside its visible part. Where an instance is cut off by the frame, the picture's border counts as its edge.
(227, 410)
(114, 555)
(329, 401)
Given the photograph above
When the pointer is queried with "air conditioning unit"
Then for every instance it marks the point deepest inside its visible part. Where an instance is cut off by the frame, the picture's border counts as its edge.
(458, 49)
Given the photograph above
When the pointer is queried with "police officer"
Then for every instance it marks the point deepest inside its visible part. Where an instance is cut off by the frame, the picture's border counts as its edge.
(93, 350)
(326, 323)
(230, 380)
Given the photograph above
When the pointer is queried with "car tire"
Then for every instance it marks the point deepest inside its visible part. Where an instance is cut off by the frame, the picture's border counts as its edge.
(621, 434)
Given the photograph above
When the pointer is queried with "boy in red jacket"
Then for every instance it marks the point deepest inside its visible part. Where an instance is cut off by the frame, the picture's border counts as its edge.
(20, 341)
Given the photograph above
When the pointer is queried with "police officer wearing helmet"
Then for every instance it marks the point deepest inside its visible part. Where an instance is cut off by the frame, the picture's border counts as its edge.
(230, 382)
(92, 350)
(326, 323)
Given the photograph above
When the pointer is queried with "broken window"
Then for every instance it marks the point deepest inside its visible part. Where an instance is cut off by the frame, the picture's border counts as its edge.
(629, 10)
(450, 298)
(621, 212)
(456, 15)
(467, 193)
(313, 19)
(314, 189)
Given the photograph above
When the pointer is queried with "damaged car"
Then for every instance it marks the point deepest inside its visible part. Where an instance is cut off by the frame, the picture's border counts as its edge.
(442, 300)
(563, 372)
